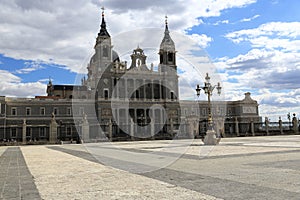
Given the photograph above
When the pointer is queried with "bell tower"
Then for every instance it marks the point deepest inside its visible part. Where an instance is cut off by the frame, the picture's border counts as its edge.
(103, 56)
(138, 58)
(167, 52)
(103, 46)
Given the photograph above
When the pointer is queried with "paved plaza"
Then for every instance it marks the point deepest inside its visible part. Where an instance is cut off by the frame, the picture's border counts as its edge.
(238, 168)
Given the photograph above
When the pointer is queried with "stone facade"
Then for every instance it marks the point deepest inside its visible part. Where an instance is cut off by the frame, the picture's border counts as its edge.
(116, 100)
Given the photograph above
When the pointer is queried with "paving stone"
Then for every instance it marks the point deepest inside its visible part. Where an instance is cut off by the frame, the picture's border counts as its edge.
(254, 171)
(221, 188)
(238, 168)
(16, 182)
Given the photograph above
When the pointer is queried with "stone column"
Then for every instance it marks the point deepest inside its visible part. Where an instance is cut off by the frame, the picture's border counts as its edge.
(171, 126)
(144, 88)
(126, 88)
(237, 127)
(152, 129)
(190, 127)
(85, 130)
(116, 89)
(252, 128)
(186, 127)
(110, 130)
(267, 125)
(132, 129)
(53, 130)
(152, 90)
(295, 124)
(280, 126)
(152, 124)
(160, 92)
(117, 114)
(24, 126)
(134, 88)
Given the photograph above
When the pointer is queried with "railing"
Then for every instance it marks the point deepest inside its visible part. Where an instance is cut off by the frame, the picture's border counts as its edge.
(113, 132)
(258, 128)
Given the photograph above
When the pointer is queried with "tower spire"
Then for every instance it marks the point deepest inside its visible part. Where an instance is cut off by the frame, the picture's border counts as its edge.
(167, 43)
(102, 11)
(103, 31)
(167, 52)
(166, 22)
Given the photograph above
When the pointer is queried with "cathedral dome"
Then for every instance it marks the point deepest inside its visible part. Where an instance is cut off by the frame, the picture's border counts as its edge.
(115, 56)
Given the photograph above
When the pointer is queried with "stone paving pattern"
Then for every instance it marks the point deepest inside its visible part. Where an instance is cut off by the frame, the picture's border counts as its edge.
(16, 182)
(238, 168)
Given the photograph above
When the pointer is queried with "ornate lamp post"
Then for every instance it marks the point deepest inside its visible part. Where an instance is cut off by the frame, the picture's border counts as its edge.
(210, 137)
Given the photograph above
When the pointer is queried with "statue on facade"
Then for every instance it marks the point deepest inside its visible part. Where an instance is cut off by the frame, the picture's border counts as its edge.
(295, 123)
(52, 115)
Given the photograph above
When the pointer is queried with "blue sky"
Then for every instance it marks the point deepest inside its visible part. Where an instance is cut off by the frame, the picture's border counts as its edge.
(254, 44)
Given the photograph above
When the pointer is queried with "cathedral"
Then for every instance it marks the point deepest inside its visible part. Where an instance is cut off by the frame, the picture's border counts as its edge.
(119, 100)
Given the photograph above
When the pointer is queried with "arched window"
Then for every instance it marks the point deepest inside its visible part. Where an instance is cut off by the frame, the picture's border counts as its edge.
(105, 93)
(105, 51)
(172, 96)
(170, 57)
(161, 59)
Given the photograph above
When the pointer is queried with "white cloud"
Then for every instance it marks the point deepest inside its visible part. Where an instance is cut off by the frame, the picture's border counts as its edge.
(275, 104)
(221, 22)
(30, 67)
(64, 31)
(270, 69)
(277, 30)
(249, 19)
(263, 69)
(202, 40)
(11, 85)
(274, 60)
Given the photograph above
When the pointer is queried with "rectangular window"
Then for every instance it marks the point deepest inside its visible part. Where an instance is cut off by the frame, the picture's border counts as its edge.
(28, 111)
(170, 57)
(42, 111)
(105, 51)
(28, 132)
(172, 95)
(68, 131)
(42, 131)
(13, 132)
(69, 111)
(14, 111)
(105, 93)
(55, 111)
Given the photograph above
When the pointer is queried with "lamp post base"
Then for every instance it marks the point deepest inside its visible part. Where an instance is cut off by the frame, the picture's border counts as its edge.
(210, 138)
